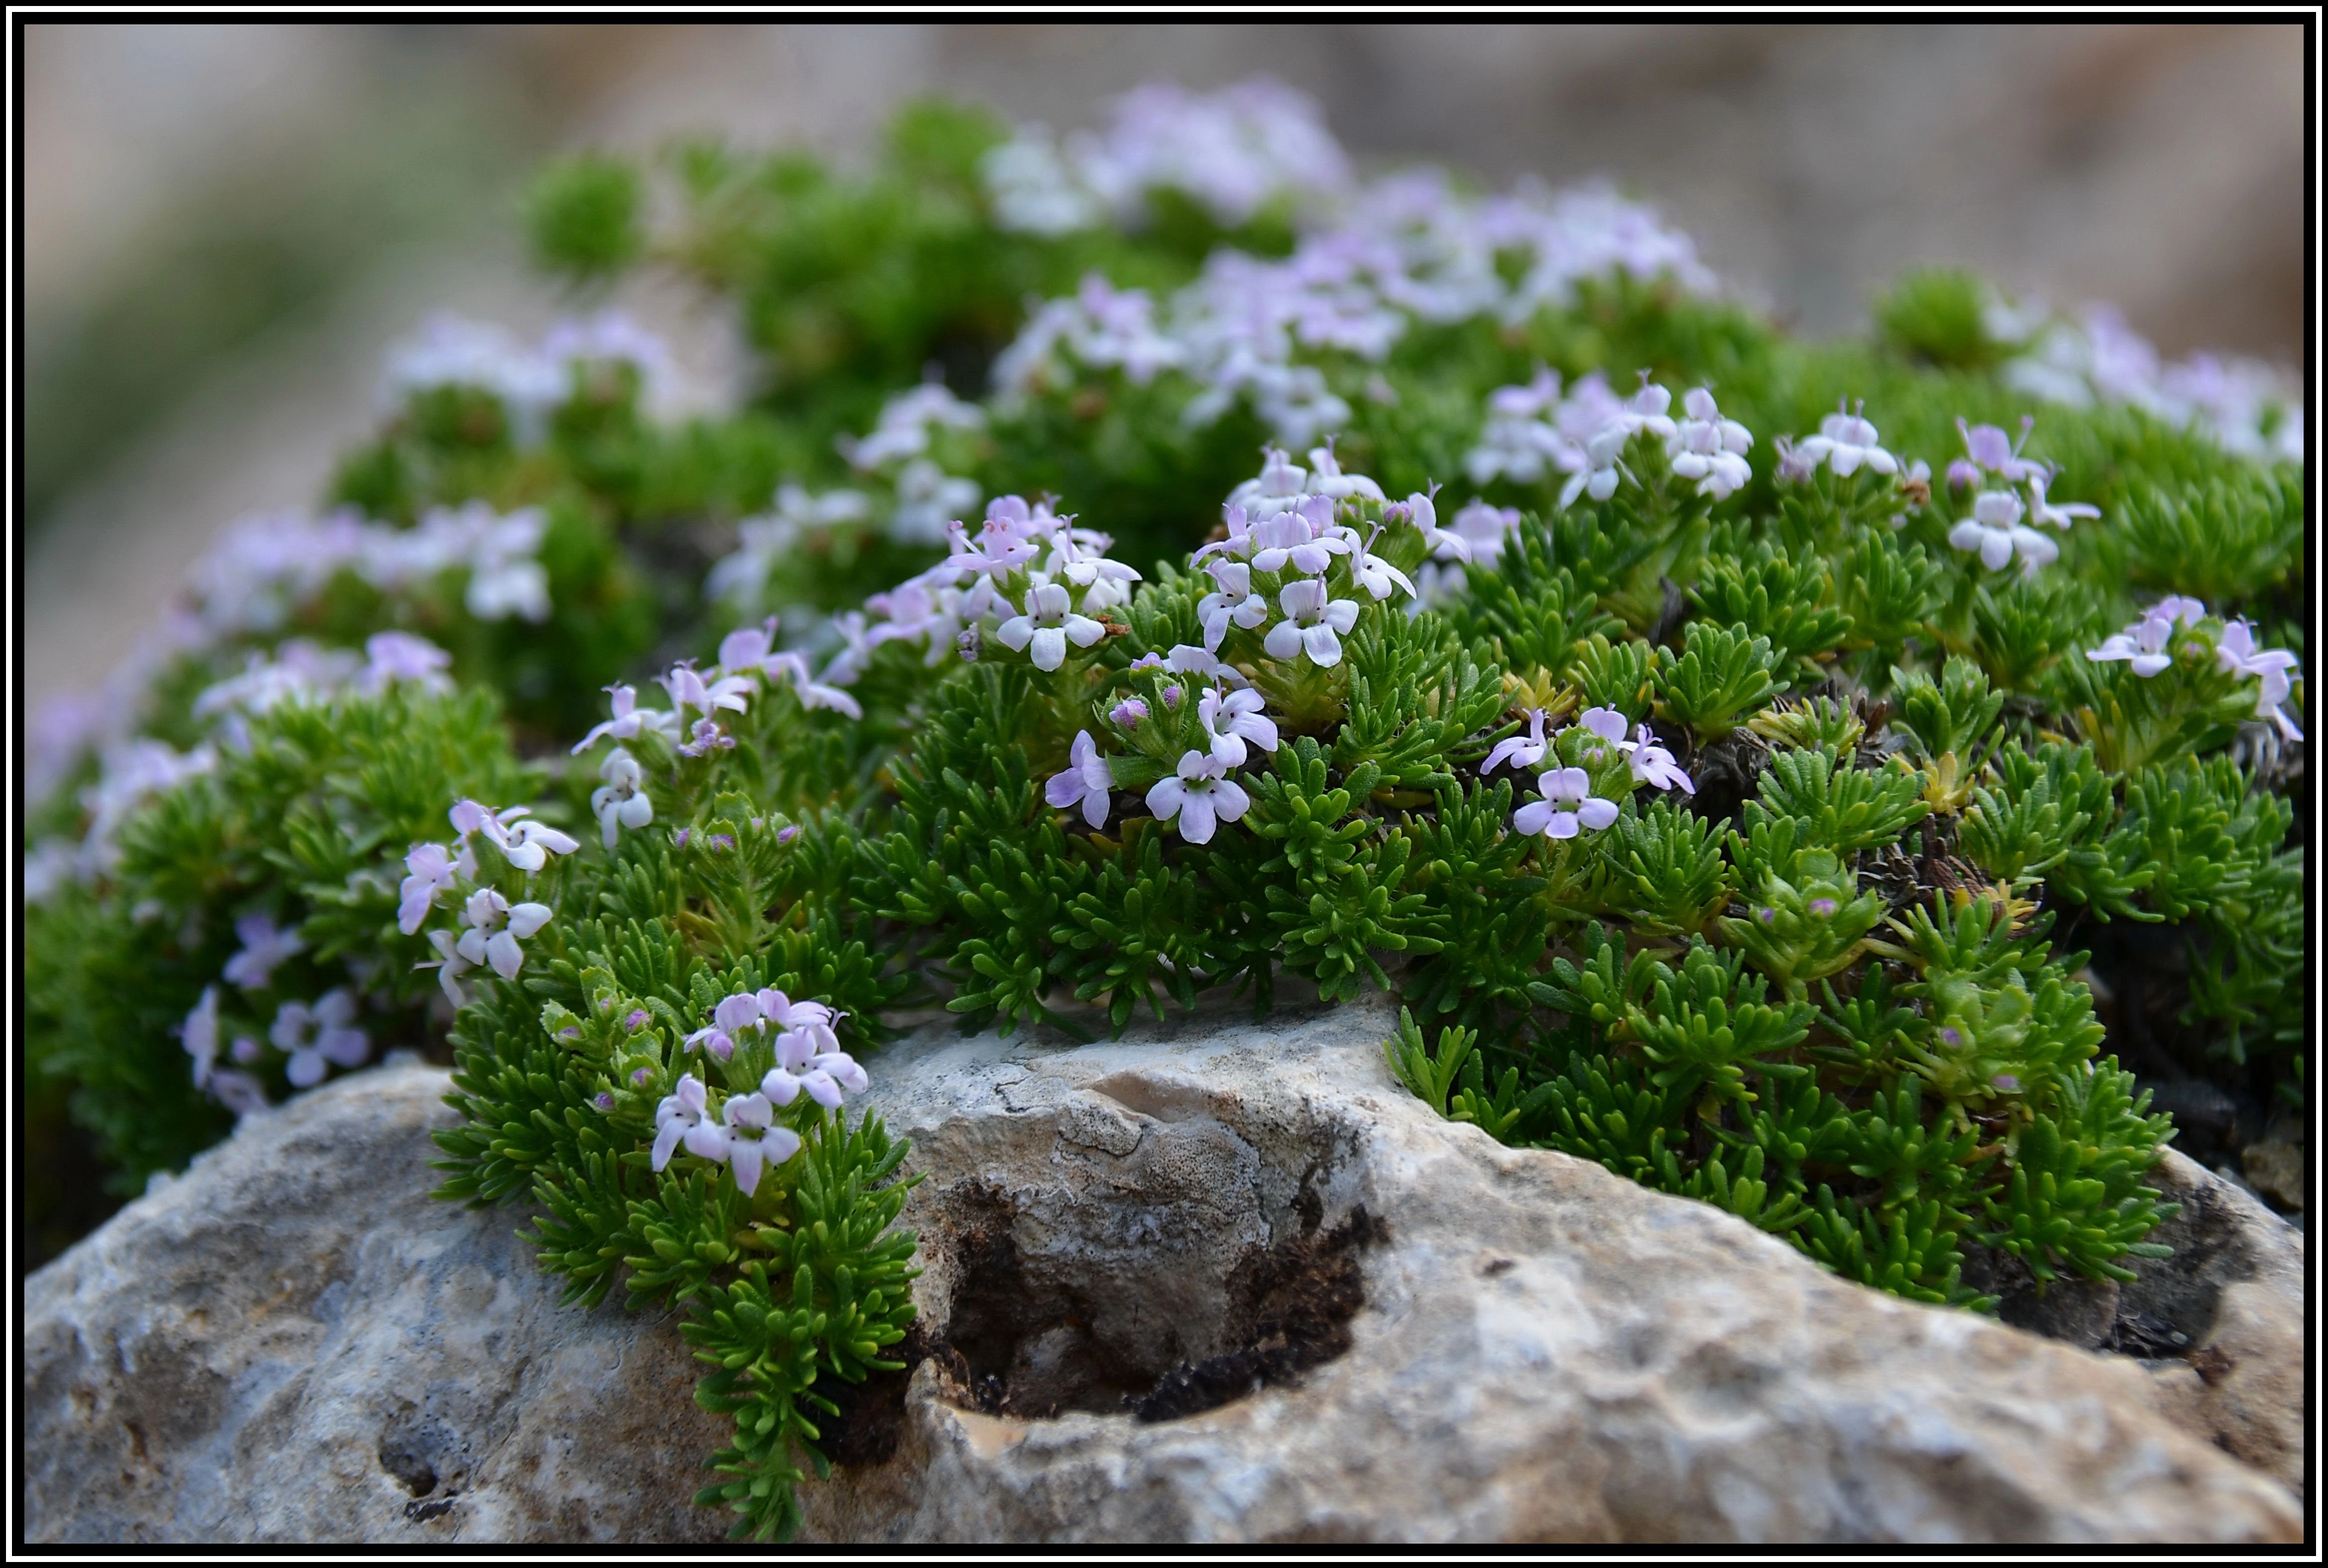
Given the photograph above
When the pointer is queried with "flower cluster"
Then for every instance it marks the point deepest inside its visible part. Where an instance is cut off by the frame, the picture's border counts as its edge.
(1583, 759)
(1233, 152)
(1995, 530)
(1265, 332)
(530, 380)
(1291, 576)
(1029, 581)
(1532, 431)
(2096, 358)
(2148, 646)
(740, 1131)
(492, 928)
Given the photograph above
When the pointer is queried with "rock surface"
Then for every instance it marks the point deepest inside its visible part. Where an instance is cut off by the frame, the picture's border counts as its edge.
(1349, 1319)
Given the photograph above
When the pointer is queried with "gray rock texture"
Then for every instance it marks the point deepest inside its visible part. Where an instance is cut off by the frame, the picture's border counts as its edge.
(1223, 1283)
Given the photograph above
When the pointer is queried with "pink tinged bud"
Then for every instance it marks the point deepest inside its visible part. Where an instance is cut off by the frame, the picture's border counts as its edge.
(642, 1078)
(787, 835)
(1823, 908)
(605, 1102)
(2006, 1081)
(636, 1019)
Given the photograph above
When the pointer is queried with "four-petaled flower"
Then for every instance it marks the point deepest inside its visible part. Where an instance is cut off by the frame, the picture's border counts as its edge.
(313, 1036)
(263, 947)
(1605, 725)
(430, 869)
(1046, 628)
(1996, 530)
(621, 802)
(1232, 603)
(2142, 644)
(1315, 623)
(1376, 575)
(1654, 765)
(1709, 448)
(631, 720)
(1200, 794)
(751, 1142)
(1085, 782)
(1845, 443)
(1232, 718)
(1602, 463)
(1569, 805)
(497, 926)
(690, 689)
(1519, 751)
(680, 1113)
(801, 1065)
(2059, 514)
(1989, 447)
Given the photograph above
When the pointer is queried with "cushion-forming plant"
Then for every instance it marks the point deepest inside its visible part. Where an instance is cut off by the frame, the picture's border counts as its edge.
(1266, 580)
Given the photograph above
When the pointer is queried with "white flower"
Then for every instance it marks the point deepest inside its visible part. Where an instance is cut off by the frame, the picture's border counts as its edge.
(748, 652)
(1845, 443)
(1230, 719)
(1232, 601)
(1376, 575)
(1709, 448)
(497, 926)
(928, 498)
(752, 1142)
(2236, 654)
(1996, 530)
(688, 690)
(431, 868)
(200, 1034)
(2058, 515)
(1597, 477)
(680, 1113)
(312, 1036)
(450, 965)
(393, 656)
(1105, 582)
(621, 802)
(263, 947)
(2142, 643)
(1521, 752)
(631, 720)
(1654, 765)
(1200, 795)
(1327, 478)
(527, 846)
(825, 1074)
(1315, 623)
(1046, 628)
(1605, 725)
(1085, 782)
(503, 579)
(1568, 806)
(1484, 530)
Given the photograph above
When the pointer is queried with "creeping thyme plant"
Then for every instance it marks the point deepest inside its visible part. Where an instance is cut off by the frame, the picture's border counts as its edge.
(1164, 564)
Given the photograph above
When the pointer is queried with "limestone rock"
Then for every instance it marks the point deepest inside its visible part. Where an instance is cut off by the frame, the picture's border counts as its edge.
(1225, 1283)
(2234, 1289)
(294, 1342)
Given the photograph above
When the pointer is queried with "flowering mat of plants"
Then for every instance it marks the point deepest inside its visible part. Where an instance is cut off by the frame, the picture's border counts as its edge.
(1165, 563)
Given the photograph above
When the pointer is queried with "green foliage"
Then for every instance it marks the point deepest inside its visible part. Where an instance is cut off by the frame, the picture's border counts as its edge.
(1940, 315)
(584, 216)
(1722, 673)
(1805, 978)
(2228, 542)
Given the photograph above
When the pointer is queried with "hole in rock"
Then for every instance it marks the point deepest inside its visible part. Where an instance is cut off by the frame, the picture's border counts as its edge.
(1028, 1339)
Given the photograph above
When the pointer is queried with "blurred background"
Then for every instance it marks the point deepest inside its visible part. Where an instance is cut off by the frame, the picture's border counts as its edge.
(225, 225)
